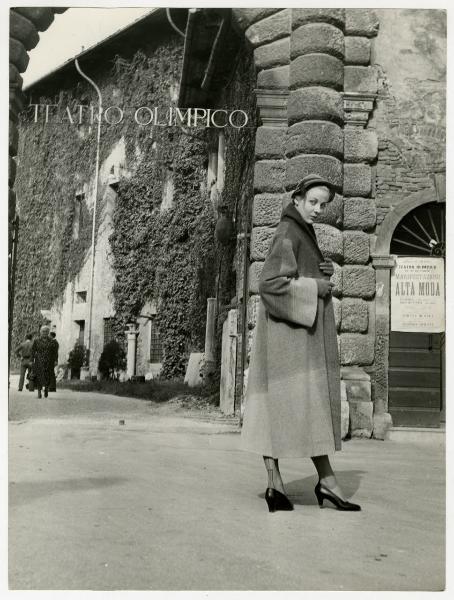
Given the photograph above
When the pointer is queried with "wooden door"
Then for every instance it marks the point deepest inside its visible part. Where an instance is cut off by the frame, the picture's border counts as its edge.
(415, 379)
(416, 371)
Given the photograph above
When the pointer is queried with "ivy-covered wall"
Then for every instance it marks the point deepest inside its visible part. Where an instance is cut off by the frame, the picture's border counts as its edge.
(165, 253)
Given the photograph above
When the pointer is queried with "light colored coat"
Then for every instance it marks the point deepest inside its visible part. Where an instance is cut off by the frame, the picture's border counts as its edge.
(292, 405)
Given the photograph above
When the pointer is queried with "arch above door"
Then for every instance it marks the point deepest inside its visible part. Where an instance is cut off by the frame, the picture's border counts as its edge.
(386, 229)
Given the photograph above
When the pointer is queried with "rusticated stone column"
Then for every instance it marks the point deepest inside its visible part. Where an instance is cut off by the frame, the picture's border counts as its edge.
(358, 311)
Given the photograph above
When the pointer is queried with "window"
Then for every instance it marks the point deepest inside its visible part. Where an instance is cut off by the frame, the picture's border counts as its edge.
(108, 330)
(155, 343)
(81, 297)
(81, 333)
(78, 214)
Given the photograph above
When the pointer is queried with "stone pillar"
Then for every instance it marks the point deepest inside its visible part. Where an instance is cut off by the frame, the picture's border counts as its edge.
(131, 334)
(357, 328)
(210, 330)
(228, 363)
(208, 367)
(382, 419)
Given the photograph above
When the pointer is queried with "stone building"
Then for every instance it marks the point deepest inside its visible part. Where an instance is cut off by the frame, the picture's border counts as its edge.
(358, 96)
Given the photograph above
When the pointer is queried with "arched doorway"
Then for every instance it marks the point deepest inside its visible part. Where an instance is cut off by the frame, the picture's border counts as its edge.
(416, 359)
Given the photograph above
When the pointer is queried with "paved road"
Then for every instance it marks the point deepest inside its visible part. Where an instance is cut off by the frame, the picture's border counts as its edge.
(168, 503)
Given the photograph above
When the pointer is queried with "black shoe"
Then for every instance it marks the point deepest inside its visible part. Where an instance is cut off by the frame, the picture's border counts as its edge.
(19, 389)
(39, 395)
(329, 495)
(45, 393)
(277, 501)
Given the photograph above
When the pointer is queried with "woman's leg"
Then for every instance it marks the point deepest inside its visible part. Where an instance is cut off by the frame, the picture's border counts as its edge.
(326, 474)
(274, 476)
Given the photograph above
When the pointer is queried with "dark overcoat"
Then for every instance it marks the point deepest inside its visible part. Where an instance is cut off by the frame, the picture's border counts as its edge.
(44, 357)
(292, 405)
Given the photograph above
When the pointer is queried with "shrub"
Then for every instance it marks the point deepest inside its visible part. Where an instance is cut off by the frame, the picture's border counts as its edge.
(77, 358)
(112, 360)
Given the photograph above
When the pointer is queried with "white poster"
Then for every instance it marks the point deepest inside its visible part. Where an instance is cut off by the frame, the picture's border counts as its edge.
(418, 294)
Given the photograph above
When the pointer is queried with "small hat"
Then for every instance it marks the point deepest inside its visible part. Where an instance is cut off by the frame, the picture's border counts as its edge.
(310, 181)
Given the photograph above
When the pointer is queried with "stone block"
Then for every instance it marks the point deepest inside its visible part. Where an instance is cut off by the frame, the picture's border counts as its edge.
(193, 376)
(252, 310)
(269, 176)
(358, 390)
(20, 28)
(357, 179)
(359, 213)
(345, 418)
(330, 241)
(255, 271)
(360, 145)
(18, 55)
(360, 79)
(317, 37)
(315, 103)
(260, 242)
(356, 247)
(361, 22)
(14, 76)
(354, 373)
(247, 16)
(334, 16)
(275, 78)
(358, 281)
(333, 213)
(41, 17)
(361, 419)
(267, 209)
(354, 315)
(273, 54)
(357, 50)
(337, 312)
(302, 165)
(382, 425)
(343, 392)
(356, 349)
(336, 278)
(315, 137)
(270, 28)
(317, 69)
(269, 142)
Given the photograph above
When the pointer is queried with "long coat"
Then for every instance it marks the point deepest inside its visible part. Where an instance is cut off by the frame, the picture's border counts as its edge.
(292, 405)
(44, 355)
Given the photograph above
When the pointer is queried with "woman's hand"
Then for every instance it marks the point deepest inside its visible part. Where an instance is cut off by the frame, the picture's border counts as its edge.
(327, 267)
(324, 287)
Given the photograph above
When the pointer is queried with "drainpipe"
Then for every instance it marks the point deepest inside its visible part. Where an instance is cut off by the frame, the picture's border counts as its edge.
(93, 231)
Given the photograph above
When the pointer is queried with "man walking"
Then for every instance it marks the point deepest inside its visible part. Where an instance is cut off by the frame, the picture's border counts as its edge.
(24, 352)
(53, 382)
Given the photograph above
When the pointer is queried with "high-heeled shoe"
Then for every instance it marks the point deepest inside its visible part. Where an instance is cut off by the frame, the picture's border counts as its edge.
(277, 500)
(329, 495)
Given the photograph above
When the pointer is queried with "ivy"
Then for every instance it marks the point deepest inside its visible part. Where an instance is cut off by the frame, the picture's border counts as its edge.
(169, 256)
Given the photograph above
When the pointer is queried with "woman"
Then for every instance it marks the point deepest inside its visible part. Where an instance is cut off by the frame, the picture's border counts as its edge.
(293, 397)
(44, 358)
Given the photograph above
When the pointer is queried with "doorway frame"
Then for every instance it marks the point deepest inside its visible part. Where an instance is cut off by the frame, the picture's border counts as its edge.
(383, 262)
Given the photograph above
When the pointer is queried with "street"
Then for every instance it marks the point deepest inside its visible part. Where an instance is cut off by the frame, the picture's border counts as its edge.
(166, 502)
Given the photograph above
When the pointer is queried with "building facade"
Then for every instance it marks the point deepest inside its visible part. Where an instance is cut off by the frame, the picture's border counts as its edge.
(359, 97)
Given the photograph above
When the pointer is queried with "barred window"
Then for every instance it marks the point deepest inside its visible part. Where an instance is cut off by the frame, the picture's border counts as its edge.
(155, 343)
(108, 330)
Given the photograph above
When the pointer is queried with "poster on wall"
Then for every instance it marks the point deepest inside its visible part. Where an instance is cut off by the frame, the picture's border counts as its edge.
(418, 294)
